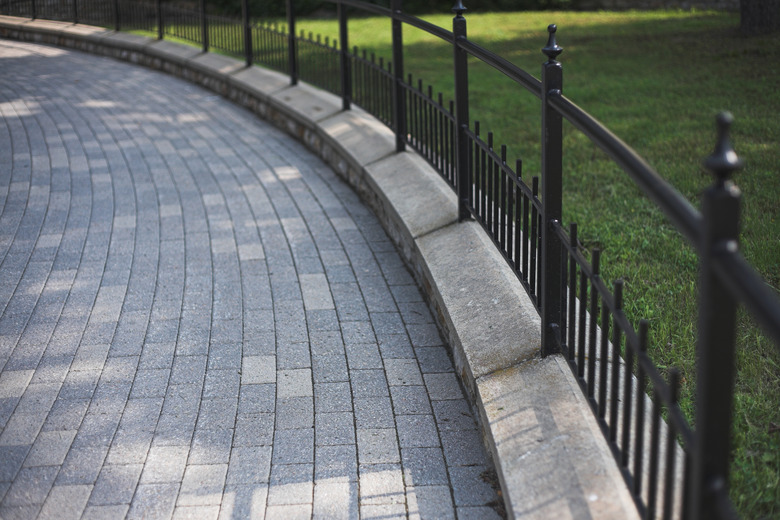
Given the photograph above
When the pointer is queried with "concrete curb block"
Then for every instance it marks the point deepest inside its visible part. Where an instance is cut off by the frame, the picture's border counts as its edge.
(549, 453)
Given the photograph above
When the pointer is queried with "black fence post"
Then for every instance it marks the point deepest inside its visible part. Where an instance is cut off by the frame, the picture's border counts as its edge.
(717, 330)
(204, 26)
(346, 69)
(292, 54)
(75, 11)
(160, 22)
(552, 154)
(117, 16)
(248, 53)
(33, 10)
(399, 94)
(461, 110)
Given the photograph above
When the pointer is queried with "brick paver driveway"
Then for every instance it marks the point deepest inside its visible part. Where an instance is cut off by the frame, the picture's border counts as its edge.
(199, 320)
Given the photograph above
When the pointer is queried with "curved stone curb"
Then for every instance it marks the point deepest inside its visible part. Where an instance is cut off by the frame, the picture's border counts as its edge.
(549, 453)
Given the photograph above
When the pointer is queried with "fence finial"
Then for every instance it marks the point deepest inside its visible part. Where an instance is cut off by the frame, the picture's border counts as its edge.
(552, 50)
(459, 8)
(724, 160)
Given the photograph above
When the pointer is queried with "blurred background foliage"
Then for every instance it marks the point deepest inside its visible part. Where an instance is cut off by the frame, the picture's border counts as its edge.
(276, 8)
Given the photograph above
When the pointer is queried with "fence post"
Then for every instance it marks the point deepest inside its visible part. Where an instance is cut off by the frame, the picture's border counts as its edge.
(717, 325)
(117, 18)
(461, 109)
(399, 96)
(552, 153)
(292, 55)
(75, 11)
(248, 53)
(160, 23)
(346, 70)
(204, 28)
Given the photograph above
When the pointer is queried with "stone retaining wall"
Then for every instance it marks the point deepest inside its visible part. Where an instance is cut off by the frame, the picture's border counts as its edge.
(624, 5)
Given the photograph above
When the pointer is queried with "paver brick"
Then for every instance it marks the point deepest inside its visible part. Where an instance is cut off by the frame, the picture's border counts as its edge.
(418, 431)
(377, 446)
(65, 502)
(290, 484)
(294, 447)
(430, 502)
(334, 428)
(249, 465)
(50, 448)
(202, 485)
(381, 484)
(116, 484)
(335, 500)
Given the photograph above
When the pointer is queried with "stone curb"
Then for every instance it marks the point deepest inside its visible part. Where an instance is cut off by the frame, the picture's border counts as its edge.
(551, 458)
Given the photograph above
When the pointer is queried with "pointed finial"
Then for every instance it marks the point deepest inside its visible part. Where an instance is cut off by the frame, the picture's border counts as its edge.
(459, 8)
(723, 161)
(552, 50)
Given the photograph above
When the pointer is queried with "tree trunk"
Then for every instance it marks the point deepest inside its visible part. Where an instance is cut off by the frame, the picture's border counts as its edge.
(759, 16)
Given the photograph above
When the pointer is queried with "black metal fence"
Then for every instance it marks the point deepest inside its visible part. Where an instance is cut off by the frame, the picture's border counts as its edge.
(672, 470)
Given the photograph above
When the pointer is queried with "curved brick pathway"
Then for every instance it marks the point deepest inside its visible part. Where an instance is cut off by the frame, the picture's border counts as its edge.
(199, 320)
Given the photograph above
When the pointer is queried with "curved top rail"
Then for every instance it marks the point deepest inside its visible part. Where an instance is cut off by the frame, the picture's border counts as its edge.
(683, 215)
(757, 295)
(365, 6)
(428, 27)
(503, 66)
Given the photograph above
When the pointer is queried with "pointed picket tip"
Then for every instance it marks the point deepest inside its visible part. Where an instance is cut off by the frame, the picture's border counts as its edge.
(723, 161)
(459, 8)
(552, 50)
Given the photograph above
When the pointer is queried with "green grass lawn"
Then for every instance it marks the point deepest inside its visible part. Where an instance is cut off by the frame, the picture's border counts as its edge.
(657, 80)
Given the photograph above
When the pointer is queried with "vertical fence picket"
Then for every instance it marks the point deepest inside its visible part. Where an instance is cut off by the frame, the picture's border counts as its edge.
(572, 314)
(639, 444)
(671, 449)
(628, 381)
(399, 92)
(614, 386)
(292, 53)
(160, 22)
(204, 27)
(655, 440)
(346, 69)
(517, 212)
(593, 322)
(534, 236)
(248, 47)
(582, 324)
(603, 359)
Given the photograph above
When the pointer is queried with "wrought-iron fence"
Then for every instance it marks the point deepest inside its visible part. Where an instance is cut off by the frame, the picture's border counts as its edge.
(671, 470)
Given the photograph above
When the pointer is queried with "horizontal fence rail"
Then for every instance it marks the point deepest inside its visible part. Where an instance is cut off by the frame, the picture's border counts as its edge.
(671, 469)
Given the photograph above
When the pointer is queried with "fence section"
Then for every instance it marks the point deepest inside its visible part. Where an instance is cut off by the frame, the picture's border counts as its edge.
(672, 470)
